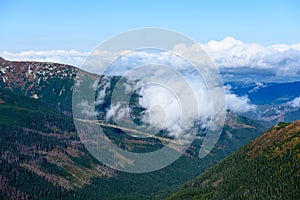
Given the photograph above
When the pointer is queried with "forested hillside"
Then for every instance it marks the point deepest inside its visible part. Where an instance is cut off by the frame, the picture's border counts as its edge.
(266, 168)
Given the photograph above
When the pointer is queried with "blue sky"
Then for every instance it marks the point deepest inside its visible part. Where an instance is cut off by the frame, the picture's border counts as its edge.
(82, 25)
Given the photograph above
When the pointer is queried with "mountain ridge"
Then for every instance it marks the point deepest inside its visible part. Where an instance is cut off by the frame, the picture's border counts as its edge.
(50, 82)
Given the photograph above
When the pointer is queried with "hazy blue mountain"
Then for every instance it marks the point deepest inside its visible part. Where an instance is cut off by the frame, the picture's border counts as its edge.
(274, 101)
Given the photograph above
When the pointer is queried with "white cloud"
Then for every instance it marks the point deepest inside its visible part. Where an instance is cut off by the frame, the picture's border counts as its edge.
(284, 59)
(71, 57)
(295, 103)
(161, 111)
(258, 86)
(238, 104)
(118, 111)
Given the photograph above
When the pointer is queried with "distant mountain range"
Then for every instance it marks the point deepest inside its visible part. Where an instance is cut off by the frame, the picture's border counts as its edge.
(261, 93)
(266, 168)
(39, 143)
(275, 102)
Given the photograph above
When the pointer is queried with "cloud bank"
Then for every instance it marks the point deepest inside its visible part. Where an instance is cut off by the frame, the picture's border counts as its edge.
(227, 53)
(232, 53)
(71, 57)
(172, 98)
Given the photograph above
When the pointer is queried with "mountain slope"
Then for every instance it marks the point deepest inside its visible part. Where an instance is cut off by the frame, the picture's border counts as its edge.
(266, 168)
(50, 82)
(38, 144)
